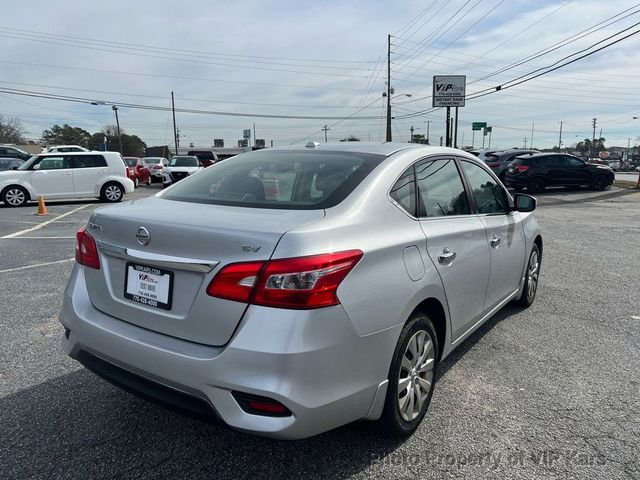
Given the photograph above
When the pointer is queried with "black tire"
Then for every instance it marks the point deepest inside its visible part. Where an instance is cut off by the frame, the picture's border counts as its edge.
(599, 183)
(536, 185)
(111, 192)
(531, 279)
(15, 196)
(392, 423)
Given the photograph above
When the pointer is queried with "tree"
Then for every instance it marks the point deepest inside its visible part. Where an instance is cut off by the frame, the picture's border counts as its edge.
(11, 130)
(66, 135)
(132, 145)
(350, 138)
(587, 147)
(419, 138)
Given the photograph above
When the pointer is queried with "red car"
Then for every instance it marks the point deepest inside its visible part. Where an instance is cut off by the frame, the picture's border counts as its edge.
(138, 170)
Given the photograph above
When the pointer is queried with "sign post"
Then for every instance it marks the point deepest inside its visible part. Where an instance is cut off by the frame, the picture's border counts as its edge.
(449, 91)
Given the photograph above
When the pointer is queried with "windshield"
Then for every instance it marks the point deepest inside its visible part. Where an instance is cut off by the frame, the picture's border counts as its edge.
(28, 163)
(184, 162)
(275, 179)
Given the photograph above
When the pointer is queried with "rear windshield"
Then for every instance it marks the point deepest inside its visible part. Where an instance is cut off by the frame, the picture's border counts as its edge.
(153, 160)
(491, 158)
(131, 162)
(184, 162)
(297, 180)
(203, 155)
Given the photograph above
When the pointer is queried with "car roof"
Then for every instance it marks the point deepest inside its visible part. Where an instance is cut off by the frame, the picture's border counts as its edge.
(385, 148)
(93, 152)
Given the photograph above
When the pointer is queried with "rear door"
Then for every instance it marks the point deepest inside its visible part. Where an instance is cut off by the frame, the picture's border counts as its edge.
(88, 170)
(53, 177)
(456, 240)
(504, 233)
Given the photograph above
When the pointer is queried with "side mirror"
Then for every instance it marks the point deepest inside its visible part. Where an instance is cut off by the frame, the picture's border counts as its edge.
(36, 167)
(14, 168)
(524, 203)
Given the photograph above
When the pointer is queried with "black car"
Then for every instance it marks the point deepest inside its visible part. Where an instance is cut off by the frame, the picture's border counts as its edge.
(541, 170)
(10, 163)
(498, 161)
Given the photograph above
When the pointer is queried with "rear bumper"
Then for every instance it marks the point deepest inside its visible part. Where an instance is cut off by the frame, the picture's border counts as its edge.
(312, 362)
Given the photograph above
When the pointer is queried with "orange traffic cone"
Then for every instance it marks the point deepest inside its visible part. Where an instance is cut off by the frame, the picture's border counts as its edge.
(42, 208)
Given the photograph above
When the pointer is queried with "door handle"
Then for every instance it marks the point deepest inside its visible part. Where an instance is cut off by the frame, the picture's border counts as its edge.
(446, 256)
(495, 241)
(66, 174)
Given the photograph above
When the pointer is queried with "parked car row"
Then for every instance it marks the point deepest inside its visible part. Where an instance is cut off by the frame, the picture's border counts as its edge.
(535, 171)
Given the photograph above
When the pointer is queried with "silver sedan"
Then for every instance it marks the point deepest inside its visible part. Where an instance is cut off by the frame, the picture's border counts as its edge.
(288, 292)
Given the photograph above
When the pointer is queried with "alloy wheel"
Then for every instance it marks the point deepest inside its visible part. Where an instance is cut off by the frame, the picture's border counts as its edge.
(416, 375)
(533, 271)
(15, 197)
(112, 193)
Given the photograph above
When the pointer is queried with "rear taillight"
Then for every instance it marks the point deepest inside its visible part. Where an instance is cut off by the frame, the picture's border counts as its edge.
(301, 283)
(520, 168)
(86, 250)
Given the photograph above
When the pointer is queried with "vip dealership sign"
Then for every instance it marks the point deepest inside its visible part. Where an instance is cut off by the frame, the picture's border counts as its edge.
(449, 90)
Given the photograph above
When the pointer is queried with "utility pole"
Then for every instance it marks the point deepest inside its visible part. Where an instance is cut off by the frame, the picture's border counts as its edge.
(175, 130)
(490, 132)
(560, 139)
(455, 135)
(326, 129)
(115, 109)
(448, 130)
(389, 88)
(531, 143)
(593, 140)
(411, 139)
(525, 142)
(428, 122)
(254, 133)
(628, 145)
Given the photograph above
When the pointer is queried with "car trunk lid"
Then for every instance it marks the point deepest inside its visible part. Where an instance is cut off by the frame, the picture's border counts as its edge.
(187, 245)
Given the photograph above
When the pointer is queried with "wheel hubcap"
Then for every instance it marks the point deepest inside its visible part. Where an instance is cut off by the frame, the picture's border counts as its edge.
(112, 193)
(532, 275)
(416, 375)
(15, 196)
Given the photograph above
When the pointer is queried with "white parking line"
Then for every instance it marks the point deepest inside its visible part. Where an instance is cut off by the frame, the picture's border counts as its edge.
(36, 265)
(34, 238)
(44, 224)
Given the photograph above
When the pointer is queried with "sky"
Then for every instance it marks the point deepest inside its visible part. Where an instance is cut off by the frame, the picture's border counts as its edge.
(324, 59)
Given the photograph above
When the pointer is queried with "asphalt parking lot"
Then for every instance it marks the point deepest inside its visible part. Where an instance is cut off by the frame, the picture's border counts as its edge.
(548, 392)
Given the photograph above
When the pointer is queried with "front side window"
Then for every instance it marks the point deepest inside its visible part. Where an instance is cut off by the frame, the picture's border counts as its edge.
(575, 162)
(404, 192)
(488, 196)
(277, 179)
(440, 189)
(53, 163)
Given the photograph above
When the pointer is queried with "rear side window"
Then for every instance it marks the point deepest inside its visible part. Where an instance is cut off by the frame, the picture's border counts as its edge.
(404, 192)
(275, 179)
(440, 189)
(88, 161)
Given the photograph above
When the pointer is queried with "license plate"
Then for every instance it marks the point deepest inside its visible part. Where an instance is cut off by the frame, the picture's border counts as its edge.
(148, 285)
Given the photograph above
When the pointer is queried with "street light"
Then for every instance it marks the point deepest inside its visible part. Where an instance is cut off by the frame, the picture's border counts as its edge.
(115, 109)
(389, 98)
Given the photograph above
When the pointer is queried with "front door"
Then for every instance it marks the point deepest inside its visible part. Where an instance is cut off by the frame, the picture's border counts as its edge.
(52, 177)
(504, 233)
(456, 240)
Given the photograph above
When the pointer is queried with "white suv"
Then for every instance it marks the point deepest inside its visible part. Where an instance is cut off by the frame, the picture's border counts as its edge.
(66, 175)
(180, 166)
